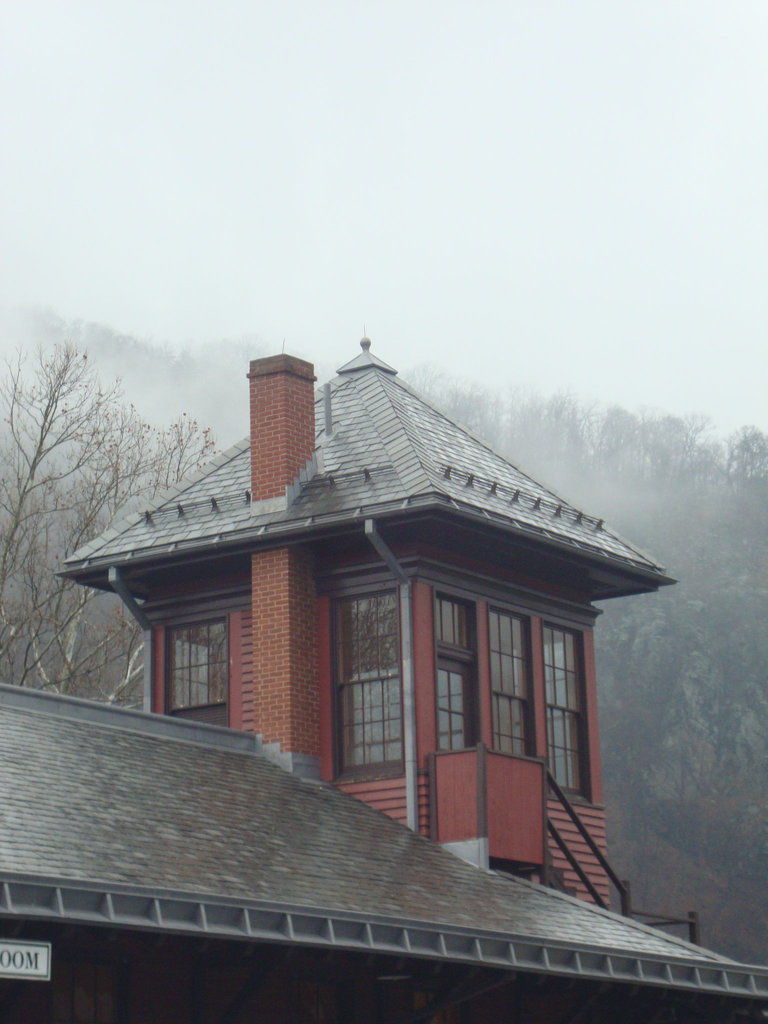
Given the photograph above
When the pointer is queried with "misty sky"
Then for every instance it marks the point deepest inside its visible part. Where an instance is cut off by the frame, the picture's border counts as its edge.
(555, 194)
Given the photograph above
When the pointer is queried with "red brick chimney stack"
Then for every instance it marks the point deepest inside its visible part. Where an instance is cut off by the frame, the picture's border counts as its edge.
(282, 422)
(284, 601)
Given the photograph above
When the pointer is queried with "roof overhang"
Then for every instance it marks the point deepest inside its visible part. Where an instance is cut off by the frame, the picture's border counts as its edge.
(204, 915)
(609, 576)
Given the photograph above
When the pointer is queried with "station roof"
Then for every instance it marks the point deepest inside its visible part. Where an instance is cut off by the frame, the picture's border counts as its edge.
(120, 818)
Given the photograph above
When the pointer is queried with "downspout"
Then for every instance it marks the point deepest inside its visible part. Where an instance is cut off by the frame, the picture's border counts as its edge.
(409, 700)
(118, 584)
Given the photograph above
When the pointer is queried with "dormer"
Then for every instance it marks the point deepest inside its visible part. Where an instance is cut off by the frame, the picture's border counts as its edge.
(394, 608)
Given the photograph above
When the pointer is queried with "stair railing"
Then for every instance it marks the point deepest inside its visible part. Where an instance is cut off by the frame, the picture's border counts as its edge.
(621, 885)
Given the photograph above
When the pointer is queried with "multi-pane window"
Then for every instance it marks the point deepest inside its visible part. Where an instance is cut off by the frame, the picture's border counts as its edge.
(198, 661)
(84, 994)
(509, 681)
(452, 685)
(368, 696)
(452, 622)
(562, 679)
(456, 708)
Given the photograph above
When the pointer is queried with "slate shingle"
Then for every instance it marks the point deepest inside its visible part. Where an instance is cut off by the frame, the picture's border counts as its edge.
(105, 803)
(381, 425)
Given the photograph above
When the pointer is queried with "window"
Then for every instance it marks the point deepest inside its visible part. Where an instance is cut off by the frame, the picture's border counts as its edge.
(509, 681)
(84, 994)
(368, 681)
(562, 680)
(455, 689)
(198, 663)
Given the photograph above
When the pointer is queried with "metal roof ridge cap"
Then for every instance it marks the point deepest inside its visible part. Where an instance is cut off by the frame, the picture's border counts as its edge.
(112, 716)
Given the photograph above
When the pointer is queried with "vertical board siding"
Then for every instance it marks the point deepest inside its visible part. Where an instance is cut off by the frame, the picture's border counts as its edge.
(386, 795)
(594, 821)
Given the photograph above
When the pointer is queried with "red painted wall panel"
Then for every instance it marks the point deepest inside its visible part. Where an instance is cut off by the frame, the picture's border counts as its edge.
(484, 675)
(593, 730)
(539, 697)
(515, 808)
(456, 796)
(424, 672)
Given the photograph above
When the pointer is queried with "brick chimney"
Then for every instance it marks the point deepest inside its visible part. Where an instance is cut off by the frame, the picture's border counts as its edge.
(282, 422)
(283, 596)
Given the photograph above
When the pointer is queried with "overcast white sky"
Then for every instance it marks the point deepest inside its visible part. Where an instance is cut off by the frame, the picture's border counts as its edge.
(556, 194)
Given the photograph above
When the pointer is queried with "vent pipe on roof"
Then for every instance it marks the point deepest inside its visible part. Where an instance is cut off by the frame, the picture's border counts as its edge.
(327, 410)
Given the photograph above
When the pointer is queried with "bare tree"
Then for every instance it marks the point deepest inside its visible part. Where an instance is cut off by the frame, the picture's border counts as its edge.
(72, 453)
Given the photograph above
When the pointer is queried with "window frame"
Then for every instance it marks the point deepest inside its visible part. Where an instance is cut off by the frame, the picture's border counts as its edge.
(205, 710)
(367, 768)
(453, 657)
(525, 701)
(576, 754)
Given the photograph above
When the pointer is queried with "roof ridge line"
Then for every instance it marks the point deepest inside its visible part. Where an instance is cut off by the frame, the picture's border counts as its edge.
(393, 413)
(126, 719)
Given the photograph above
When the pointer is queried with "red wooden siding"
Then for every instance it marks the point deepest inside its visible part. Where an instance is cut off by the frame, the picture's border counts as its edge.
(386, 795)
(594, 820)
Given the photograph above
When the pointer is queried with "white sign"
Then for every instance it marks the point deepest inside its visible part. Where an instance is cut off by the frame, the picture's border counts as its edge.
(31, 960)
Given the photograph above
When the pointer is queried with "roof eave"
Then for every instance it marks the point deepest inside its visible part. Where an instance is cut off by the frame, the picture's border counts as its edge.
(307, 527)
(78, 902)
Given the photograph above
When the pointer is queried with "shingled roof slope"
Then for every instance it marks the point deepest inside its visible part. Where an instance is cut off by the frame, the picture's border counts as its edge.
(388, 450)
(92, 801)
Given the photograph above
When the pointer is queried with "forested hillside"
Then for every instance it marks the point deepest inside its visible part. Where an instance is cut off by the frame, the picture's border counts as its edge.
(683, 674)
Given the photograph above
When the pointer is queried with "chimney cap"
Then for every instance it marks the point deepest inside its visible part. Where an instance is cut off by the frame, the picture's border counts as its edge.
(282, 364)
(366, 361)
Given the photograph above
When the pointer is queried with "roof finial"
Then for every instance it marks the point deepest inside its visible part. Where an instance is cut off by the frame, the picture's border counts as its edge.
(365, 343)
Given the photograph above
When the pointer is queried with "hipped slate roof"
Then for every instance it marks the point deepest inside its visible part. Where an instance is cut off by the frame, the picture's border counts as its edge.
(389, 452)
(120, 818)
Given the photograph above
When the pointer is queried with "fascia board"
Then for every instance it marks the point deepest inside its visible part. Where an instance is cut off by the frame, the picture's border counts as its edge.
(167, 912)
